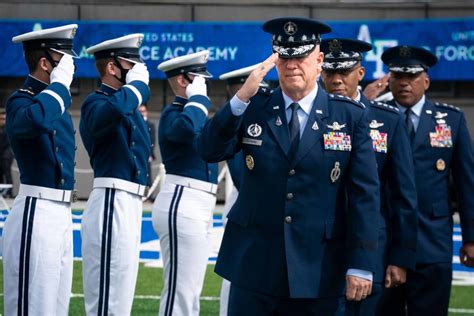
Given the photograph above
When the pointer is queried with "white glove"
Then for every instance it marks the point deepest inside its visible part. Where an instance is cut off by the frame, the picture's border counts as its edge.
(63, 72)
(138, 72)
(197, 87)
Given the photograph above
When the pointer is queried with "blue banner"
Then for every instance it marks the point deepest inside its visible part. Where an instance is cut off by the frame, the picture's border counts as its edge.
(236, 45)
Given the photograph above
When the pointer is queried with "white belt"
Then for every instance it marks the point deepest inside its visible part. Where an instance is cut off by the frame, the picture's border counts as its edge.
(47, 193)
(120, 184)
(192, 183)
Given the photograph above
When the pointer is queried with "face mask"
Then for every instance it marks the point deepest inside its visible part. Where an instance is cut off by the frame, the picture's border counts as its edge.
(123, 71)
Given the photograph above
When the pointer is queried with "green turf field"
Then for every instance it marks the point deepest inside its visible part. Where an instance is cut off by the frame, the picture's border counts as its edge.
(150, 282)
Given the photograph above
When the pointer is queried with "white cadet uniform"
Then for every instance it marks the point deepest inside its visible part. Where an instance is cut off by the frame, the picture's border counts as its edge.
(37, 236)
(182, 212)
(118, 142)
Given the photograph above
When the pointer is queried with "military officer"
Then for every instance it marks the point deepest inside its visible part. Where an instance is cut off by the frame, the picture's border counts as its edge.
(234, 80)
(37, 236)
(440, 143)
(290, 245)
(116, 138)
(182, 212)
(397, 221)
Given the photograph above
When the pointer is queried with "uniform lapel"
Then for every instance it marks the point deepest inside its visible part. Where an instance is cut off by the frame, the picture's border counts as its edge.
(314, 126)
(277, 121)
(426, 124)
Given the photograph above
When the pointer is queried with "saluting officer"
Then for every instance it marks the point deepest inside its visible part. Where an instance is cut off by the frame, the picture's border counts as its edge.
(116, 137)
(289, 240)
(37, 237)
(182, 213)
(234, 80)
(440, 143)
(397, 221)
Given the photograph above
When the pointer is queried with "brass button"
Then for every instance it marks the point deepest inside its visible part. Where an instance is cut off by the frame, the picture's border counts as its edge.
(288, 219)
(289, 196)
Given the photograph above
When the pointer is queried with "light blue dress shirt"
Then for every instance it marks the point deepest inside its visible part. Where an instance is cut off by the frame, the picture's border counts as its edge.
(416, 111)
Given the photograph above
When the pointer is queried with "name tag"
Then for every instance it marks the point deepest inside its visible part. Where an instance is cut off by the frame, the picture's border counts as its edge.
(337, 141)
(441, 138)
(379, 141)
(251, 141)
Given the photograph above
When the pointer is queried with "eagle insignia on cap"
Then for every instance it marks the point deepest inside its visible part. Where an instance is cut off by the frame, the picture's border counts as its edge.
(335, 46)
(73, 32)
(290, 28)
(405, 51)
(140, 40)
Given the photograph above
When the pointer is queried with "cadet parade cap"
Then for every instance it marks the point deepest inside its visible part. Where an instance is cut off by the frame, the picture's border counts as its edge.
(239, 76)
(194, 64)
(342, 54)
(295, 37)
(58, 39)
(408, 59)
(125, 47)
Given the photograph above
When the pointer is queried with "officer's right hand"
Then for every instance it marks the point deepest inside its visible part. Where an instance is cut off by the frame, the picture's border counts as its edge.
(251, 85)
(63, 72)
(138, 72)
(357, 288)
(197, 87)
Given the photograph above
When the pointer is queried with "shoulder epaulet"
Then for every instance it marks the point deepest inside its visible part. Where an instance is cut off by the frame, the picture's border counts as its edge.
(385, 106)
(345, 99)
(449, 106)
(101, 92)
(265, 90)
(26, 91)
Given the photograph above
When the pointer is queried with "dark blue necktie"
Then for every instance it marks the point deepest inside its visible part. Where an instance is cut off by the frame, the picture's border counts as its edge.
(294, 129)
(409, 123)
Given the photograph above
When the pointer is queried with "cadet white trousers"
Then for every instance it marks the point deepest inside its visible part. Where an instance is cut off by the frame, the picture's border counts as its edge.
(225, 287)
(182, 218)
(37, 257)
(111, 230)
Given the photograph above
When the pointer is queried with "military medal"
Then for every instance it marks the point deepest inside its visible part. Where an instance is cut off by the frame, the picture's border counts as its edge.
(254, 130)
(441, 138)
(379, 141)
(335, 172)
(249, 161)
(440, 164)
(337, 141)
(278, 121)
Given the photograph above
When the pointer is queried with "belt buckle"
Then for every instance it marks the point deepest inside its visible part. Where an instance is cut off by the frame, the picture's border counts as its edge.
(74, 196)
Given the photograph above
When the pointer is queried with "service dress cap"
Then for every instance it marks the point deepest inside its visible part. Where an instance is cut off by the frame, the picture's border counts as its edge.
(194, 64)
(342, 54)
(58, 39)
(238, 76)
(124, 47)
(408, 59)
(294, 37)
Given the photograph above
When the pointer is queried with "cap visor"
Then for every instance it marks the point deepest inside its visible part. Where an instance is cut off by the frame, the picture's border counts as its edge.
(132, 60)
(69, 52)
(206, 74)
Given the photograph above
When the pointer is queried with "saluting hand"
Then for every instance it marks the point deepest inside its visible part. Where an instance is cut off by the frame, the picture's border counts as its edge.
(357, 288)
(138, 72)
(394, 276)
(466, 254)
(251, 85)
(374, 89)
(63, 72)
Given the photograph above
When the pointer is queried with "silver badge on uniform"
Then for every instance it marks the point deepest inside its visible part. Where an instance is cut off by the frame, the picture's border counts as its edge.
(319, 112)
(429, 112)
(254, 130)
(276, 107)
(440, 115)
(315, 126)
(278, 121)
(375, 124)
(335, 126)
(335, 172)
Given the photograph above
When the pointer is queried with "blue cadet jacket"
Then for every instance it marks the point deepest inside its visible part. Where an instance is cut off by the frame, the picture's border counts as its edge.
(441, 145)
(177, 131)
(115, 134)
(289, 233)
(41, 133)
(397, 218)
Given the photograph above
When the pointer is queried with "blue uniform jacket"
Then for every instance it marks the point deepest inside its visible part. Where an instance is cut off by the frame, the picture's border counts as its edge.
(115, 134)
(442, 143)
(236, 166)
(41, 136)
(398, 219)
(289, 234)
(177, 132)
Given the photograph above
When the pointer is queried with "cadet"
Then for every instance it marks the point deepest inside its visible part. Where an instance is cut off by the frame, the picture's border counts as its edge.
(182, 212)
(116, 137)
(342, 72)
(37, 237)
(440, 143)
(289, 242)
(234, 81)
